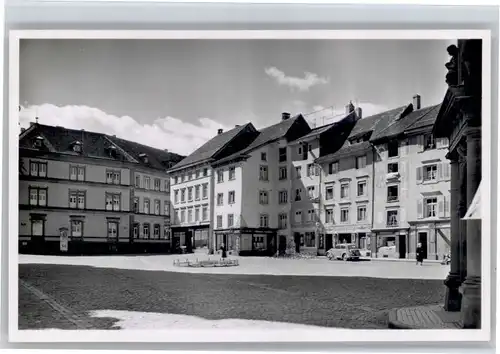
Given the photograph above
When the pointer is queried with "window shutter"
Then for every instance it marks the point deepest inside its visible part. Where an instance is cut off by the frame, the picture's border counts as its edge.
(440, 212)
(420, 209)
(446, 206)
(440, 172)
(447, 171)
(419, 174)
(420, 143)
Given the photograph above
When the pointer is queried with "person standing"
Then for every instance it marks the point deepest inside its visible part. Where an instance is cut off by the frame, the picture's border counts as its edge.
(223, 251)
(420, 254)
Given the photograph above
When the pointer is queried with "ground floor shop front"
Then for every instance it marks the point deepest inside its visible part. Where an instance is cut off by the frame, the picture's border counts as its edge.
(247, 241)
(353, 234)
(188, 238)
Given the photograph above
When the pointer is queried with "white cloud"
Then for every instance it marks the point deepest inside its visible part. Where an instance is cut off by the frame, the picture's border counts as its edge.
(296, 83)
(164, 133)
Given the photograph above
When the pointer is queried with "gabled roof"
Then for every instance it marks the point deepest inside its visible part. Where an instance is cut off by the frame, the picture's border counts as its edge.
(346, 150)
(96, 145)
(396, 127)
(317, 131)
(210, 148)
(266, 135)
(375, 123)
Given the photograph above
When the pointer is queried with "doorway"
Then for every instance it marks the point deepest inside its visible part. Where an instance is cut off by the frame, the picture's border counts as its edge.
(296, 238)
(328, 242)
(422, 238)
(282, 245)
(402, 246)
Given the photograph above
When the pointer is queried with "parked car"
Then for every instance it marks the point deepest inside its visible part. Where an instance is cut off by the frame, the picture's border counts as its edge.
(344, 251)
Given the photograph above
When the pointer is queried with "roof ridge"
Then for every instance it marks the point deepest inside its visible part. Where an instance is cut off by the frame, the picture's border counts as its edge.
(429, 110)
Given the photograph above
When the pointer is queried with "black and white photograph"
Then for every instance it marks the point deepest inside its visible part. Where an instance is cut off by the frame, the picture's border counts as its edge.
(252, 183)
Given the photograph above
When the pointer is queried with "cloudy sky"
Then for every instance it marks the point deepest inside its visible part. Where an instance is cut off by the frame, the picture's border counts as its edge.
(175, 94)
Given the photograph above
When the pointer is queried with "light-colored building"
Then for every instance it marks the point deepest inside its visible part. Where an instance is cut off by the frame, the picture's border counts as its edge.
(412, 183)
(192, 184)
(82, 182)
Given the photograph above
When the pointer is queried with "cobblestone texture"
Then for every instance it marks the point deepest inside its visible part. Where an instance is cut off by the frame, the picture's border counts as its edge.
(424, 317)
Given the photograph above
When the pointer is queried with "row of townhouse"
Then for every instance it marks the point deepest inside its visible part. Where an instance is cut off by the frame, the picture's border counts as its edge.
(105, 193)
(376, 181)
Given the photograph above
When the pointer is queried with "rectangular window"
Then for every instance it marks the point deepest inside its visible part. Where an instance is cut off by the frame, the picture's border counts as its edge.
(329, 216)
(156, 232)
(220, 199)
(205, 191)
(205, 172)
(197, 173)
(219, 221)
(392, 218)
(112, 230)
(81, 173)
(257, 242)
(311, 215)
(282, 221)
(329, 192)
(361, 188)
(310, 239)
(146, 206)
(232, 173)
(136, 205)
(113, 177)
(305, 151)
(183, 215)
(393, 148)
(263, 197)
(362, 213)
(197, 214)
(298, 171)
(431, 207)
(283, 197)
(197, 192)
(283, 173)
(392, 193)
(73, 173)
(157, 184)
(167, 185)
(231, 197)
(344, 215)
(333, 168)
(264, 220)
(298, 216)
(135, 231)
(190, 215)
(37, 227)
(38, 196)
(344, 190)
(311, 192)
(183, 177)
(190, 176)
(77, 199)
(230, 220)
(145, 230)
(220, 176)
(298, 194)
(361, 162)
(157, 207)
(263, 156)
(138, 181)
(183, 195)
(38, 169)
(282, 154)
(76, 228)
(430, 173)
(310, 170)
(263, 173)
(147, 183)
(392, 167)
(190, 194)
(204, 212)
(166, 208)
(429, 142)
(176, 196)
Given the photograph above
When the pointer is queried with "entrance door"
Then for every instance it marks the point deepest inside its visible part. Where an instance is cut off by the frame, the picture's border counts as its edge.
(422, 238)
(402, 246)
(282, 244)
(328, 242)
(189, 241)
(296, 238)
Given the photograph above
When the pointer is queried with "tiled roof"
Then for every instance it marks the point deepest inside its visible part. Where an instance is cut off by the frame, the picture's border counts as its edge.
(266, 135)
(211, 147)
(376, 122)
(96, 145)
(346, 150)
(317, 131)
(427, 120)
(395, 127)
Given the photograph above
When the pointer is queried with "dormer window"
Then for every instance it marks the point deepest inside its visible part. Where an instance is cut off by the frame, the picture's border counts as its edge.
(112, 151)
(144, 158)
(77, 146)
(38, 142)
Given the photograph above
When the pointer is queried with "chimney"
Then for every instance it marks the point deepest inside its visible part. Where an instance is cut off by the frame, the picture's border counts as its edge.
(166, 150)
(285, 116)
(237, 125)
(416, 102)
(359, 112)
(219, 131)
(349, 108)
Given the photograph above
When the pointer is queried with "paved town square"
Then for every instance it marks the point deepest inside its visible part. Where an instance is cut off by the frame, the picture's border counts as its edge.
(148, 291)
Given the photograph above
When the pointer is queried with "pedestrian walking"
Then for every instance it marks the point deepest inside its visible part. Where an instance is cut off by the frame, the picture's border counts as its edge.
(223, 251)
(420, 254)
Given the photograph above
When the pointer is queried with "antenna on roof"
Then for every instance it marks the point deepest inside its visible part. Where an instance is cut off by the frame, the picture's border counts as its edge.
(36, 120)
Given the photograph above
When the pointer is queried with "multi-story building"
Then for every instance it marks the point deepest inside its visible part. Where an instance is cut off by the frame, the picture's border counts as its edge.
(192, 187)
(307, 198)
(82, 184)
(253, 191)
(411, 175)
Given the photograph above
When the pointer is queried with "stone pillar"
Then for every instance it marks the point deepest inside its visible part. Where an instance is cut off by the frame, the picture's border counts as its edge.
(462, 209)
(471, 309)
(453, 298)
